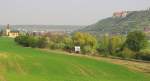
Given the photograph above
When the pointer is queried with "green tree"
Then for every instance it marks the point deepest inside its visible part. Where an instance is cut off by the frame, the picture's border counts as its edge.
(42, 42)
(23, 40)
(32, 40)
(57, 41)
(86, 41)
(136, 41)
(68, 43)
(115, 44)
(103, 45)
(1, 32)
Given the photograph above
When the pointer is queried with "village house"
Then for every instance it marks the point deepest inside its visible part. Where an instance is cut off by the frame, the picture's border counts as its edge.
(10, 33)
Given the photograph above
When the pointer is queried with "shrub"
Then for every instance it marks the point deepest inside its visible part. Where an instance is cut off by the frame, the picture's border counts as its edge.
(42, 42)
(143, 55)
(58, 46)
(85, 41)
(68, 44)
(115, 44)
(87, 49)
(136, 41)
(1, 32)
(23, 40)
(57, 42)
(126, 53)
(32, 41)
(110, 45)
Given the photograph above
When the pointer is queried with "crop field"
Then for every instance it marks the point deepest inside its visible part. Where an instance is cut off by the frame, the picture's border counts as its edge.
(27, 64)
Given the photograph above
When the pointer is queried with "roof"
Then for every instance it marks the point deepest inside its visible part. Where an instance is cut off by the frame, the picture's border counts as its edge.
(14, 31)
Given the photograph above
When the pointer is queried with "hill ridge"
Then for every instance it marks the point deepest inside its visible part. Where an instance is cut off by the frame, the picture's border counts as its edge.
(134, 20)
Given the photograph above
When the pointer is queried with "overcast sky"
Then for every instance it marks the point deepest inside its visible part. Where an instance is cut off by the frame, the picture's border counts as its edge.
(63, 12)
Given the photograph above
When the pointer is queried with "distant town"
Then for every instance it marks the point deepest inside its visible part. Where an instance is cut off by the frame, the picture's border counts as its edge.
(40, 29)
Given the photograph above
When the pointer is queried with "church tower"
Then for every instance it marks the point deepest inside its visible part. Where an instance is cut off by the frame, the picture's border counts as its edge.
(7, 30)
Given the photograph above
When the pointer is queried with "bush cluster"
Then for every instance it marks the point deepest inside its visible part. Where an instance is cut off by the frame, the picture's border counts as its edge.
(86, 41)
(129, 46)
(31, 41)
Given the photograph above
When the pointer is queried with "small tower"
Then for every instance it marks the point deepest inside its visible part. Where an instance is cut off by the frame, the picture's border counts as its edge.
(7, 30)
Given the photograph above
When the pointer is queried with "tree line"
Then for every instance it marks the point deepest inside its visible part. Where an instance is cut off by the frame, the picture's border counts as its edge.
(131, 46)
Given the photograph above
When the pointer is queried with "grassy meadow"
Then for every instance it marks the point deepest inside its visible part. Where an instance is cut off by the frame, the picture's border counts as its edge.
(28, 64)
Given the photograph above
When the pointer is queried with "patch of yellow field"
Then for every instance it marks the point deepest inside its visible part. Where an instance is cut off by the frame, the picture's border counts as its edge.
(3, 55)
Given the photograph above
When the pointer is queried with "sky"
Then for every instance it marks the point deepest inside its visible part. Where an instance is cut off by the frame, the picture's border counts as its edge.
(63, 12)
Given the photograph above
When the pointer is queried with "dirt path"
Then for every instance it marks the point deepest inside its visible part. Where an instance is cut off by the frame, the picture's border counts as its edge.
(139, 66)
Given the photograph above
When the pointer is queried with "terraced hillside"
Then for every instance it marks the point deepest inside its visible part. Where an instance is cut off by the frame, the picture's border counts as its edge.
(28, 64)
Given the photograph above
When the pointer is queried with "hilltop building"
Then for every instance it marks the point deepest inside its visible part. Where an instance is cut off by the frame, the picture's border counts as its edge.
(120, 14)
(10, 33)
(147, 29)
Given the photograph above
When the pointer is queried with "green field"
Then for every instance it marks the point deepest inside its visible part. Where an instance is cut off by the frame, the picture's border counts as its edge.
(28, 64)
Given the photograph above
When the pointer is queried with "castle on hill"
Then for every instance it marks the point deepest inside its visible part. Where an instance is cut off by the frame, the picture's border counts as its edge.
(120, 14)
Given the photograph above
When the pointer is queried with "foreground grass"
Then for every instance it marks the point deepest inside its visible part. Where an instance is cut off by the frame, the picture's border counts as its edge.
(27, 64)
